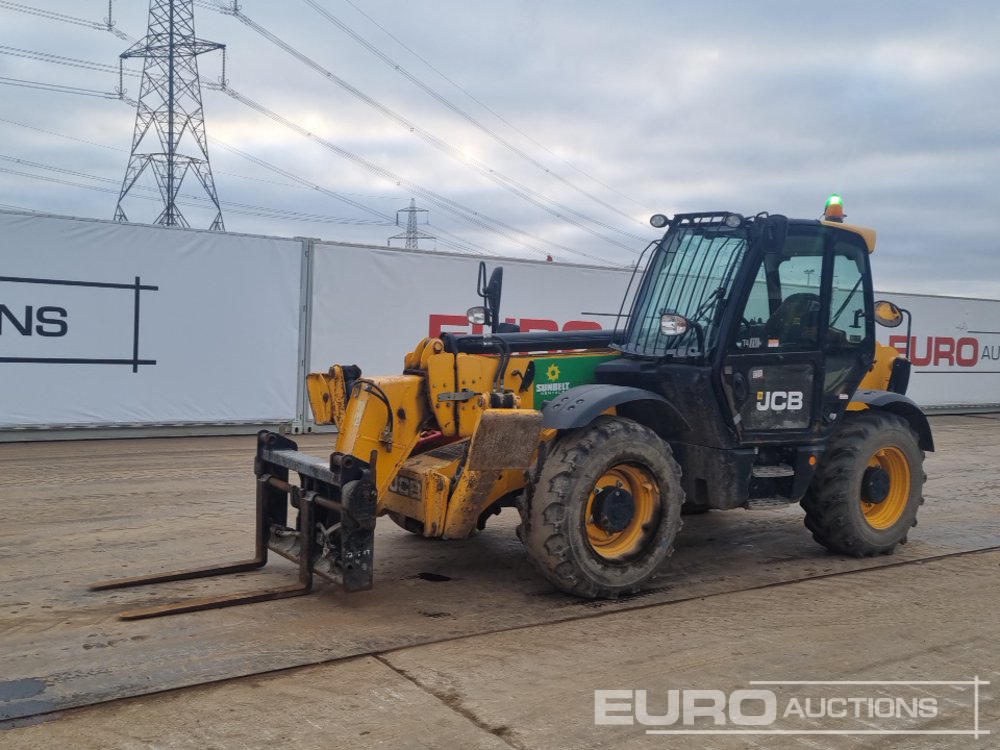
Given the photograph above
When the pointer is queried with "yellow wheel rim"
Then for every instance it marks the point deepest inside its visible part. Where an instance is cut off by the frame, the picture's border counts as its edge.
(883, 515)
(638, 482)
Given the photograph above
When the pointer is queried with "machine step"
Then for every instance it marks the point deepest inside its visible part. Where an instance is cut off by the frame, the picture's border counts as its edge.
(773, 472)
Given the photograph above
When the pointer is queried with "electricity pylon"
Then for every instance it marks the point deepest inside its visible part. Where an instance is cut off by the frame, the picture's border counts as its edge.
(412, 235)
(170, 104)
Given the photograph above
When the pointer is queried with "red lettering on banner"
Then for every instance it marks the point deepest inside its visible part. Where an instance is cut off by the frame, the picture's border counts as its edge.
(898, 343)
(437, 323)
(915, 358)
(538, 324)
(944, 350)
(964, 343)
(582, 325)
(939, 350)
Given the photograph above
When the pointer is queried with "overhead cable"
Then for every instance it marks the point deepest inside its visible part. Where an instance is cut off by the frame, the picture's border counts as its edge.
(493, 112)
(444, 101)
(468, 214)
(58, 88)
(559, 211)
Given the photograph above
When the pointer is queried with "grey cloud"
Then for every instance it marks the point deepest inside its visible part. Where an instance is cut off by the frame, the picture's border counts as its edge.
(681, 106)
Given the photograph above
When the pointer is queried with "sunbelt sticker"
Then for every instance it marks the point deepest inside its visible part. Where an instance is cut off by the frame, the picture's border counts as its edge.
(556, 375)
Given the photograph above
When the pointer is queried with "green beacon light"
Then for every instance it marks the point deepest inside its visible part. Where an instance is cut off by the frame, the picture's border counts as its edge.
(834, 210)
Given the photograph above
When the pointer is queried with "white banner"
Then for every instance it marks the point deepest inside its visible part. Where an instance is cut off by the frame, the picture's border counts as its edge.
(954, 348)
(104, 324)
(371, 305)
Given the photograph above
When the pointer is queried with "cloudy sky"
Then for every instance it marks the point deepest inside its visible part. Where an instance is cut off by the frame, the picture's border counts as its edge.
(530, 128)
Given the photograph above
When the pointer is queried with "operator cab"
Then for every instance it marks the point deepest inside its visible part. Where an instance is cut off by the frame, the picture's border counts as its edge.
(755, 330)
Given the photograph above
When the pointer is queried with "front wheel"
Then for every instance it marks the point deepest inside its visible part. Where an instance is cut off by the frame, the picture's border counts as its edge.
(868, 488)
(405, 522)
(605, 509)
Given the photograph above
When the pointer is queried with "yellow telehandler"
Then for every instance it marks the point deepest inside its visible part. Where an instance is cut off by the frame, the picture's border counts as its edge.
(745, 373)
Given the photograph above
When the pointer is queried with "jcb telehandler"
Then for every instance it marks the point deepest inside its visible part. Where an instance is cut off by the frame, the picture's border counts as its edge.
(745, 374)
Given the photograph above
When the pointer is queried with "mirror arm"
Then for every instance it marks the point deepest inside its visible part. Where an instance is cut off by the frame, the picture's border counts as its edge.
(909, 328)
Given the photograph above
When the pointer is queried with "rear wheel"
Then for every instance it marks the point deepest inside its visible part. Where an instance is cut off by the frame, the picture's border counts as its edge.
(869, 486)
(604, 511)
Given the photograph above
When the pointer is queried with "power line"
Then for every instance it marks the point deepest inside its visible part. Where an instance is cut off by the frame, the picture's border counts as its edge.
(451, 240)
(64, 18)
(467, 214)
(298, 182)
(60, 135)
(386, 217)
(302, 181)
(57, 88)
(470, 215)
(493, 112)
(60, 60)
(441, 99)
(190, 200)
(522, 191)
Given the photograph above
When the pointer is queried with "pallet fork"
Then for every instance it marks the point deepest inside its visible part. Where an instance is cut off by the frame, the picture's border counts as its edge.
(340, 548)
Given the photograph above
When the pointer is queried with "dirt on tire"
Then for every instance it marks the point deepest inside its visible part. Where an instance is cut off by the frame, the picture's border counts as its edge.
(553, 525)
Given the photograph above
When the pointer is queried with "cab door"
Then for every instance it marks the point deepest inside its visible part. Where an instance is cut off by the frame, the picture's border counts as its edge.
(849, 333)
(805, 335)
(773, 366)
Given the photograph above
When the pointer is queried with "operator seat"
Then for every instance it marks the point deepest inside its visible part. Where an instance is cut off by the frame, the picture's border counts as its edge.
(796, 321)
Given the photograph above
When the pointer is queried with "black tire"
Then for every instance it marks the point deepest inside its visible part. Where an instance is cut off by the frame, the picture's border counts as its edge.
(836, 513)
(409, 524)
(555, 528)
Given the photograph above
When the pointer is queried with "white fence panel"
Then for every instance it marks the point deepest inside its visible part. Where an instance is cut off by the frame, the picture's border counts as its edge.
(103, 324)
(954, 347)
(108, 324)
(372, 305)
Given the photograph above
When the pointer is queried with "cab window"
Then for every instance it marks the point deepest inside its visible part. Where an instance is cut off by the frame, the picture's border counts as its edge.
(848, 327)
(783, 308)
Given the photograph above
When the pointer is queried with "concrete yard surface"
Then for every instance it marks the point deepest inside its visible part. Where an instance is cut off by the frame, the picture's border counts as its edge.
(481, 652)
(534, 687)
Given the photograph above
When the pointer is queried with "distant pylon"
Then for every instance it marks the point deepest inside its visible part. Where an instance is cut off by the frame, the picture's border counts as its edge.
(412, 235)
(170, 103)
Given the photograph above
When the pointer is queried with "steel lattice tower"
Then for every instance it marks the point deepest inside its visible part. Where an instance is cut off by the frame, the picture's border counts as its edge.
(412, 235)
(170, 103)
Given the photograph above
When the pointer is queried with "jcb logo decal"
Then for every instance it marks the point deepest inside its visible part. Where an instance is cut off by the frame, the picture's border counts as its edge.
(407, 486)
(779, 400)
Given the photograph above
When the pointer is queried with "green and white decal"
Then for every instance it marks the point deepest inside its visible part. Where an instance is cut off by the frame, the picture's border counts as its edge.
(556, 375)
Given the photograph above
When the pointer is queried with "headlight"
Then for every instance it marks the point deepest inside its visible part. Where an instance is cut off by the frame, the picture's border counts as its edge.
(659, 221)
(476, 315)
(673, 325)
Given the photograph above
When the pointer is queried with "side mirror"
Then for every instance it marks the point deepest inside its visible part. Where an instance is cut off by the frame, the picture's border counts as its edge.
(887, 314)
(489, 313)
(492, 296)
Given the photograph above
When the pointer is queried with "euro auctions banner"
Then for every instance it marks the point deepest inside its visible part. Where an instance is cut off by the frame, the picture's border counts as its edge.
(954, 347)
(107, 324)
